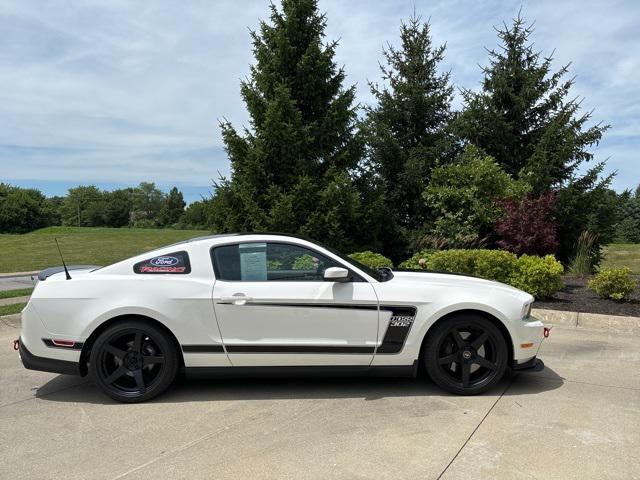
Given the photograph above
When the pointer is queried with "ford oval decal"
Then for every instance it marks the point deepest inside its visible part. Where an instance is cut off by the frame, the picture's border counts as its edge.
(164, 261)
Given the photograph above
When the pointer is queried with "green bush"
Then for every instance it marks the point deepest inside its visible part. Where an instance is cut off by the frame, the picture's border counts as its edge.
(496, 265)
(418, 261)
(539, 276)
(304, 262)
(453, 261)
(372, 259)
(614, 283)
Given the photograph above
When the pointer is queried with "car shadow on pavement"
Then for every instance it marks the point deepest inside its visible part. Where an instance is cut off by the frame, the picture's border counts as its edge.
(64, 388)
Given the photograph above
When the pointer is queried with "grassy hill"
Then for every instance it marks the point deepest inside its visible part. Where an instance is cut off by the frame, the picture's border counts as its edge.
(95, 246)
(622, 255)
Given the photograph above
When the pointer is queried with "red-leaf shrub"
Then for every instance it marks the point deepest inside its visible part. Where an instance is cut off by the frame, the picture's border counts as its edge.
(528, 225)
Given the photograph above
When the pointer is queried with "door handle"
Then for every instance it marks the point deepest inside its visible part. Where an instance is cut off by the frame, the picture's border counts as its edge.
(238, 299)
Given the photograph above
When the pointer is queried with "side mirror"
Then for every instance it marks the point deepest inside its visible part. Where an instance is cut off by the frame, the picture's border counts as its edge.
(336, 274)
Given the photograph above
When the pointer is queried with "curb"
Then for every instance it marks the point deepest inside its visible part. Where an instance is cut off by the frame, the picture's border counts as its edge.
(18, 274)
(598, 321)
(14, 300)
(12, 321)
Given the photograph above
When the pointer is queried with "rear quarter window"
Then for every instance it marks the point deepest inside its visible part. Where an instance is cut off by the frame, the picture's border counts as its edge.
(176, 263)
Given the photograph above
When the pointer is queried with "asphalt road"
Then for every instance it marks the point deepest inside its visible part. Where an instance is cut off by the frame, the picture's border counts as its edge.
(580, 418)
(13, 283)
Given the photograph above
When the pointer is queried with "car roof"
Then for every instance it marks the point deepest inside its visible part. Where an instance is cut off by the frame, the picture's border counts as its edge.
(237, 234)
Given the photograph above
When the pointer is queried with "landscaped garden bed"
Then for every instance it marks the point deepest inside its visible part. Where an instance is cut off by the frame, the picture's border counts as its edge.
(576, 297)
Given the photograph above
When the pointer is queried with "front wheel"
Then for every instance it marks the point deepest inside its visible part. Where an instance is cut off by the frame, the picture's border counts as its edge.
(466, 354)
(133, 361)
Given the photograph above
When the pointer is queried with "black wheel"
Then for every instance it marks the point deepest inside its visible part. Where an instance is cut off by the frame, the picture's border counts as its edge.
(466, 354)
(133, 361)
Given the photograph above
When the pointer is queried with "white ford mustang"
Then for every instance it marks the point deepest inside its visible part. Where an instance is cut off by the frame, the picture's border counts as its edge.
(267, 303)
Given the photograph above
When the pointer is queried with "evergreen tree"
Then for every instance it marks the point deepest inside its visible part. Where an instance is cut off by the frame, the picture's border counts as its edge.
(172, 209)
(291, 171)
(407, 130)
(523, 116)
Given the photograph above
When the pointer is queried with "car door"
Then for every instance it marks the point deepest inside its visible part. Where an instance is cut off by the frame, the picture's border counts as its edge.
(274, 307)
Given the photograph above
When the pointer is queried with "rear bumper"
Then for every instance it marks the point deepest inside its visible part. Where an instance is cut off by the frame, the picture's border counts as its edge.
(43, 364)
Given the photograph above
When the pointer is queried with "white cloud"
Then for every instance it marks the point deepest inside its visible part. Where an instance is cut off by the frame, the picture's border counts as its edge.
(126, 91)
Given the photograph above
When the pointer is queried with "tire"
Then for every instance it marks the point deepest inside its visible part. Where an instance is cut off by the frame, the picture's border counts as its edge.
(133, 361)
(466, 354)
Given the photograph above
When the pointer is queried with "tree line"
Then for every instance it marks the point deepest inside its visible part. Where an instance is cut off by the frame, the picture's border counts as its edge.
(145, 206)
(408, 172)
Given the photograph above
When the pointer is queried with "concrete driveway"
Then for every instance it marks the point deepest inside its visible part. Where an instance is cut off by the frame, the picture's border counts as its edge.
(580, 418)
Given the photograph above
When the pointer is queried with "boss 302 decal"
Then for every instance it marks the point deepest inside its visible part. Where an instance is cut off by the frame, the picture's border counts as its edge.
(175, 263)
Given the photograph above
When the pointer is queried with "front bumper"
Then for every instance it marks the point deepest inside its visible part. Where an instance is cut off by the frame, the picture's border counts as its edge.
(43, 364)
(530, 366)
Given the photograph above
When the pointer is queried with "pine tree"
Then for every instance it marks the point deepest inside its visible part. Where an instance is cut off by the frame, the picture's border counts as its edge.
(523, 116)
(172, 209)
(291, 171)
(407, 130)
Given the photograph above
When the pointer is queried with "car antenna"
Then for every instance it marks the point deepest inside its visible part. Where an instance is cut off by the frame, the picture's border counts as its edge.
(66, 270)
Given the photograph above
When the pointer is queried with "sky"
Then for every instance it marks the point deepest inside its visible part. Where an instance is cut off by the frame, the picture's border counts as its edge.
(114, 92)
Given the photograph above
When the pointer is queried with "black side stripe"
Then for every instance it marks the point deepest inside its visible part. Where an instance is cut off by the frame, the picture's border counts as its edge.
(298, 349)
(344, 306)
(398, 329)
(202, 348)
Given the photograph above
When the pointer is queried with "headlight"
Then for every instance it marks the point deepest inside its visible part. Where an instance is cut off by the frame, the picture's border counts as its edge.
(526, 311)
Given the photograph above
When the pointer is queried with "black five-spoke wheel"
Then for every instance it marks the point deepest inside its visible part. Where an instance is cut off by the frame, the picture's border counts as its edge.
(133, 361)
(466, 354)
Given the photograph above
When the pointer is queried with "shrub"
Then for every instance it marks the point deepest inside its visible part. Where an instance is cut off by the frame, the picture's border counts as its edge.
(453, 261)
(495, 265)
(539, 276)
(418, 261)
(461, 196)
(304, 262)
(528, 225)
(614, 283)
(371, 259)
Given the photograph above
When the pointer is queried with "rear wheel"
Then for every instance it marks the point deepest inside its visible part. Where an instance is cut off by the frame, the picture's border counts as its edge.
(133, 361)
(466, 354)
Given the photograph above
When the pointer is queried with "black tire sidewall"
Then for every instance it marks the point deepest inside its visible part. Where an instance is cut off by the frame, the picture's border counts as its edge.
(430, 357)
(166, 345)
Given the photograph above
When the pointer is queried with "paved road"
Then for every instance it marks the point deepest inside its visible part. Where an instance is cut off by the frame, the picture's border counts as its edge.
(13, 283)
(580, 418)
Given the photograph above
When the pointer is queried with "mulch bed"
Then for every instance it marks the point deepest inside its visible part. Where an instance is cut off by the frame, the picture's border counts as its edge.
(577, 298)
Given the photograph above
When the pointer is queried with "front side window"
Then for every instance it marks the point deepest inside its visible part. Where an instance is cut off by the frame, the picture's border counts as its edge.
(257, 262)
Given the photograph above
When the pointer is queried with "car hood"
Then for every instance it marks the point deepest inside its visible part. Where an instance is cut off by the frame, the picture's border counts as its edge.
(459, 281)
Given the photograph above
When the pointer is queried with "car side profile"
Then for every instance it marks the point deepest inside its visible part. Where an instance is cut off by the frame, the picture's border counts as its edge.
(241, 304)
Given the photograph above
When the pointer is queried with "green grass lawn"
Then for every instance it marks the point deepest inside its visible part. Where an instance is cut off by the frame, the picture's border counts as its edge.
(21, 292)
(622, 255)
(92, 246)
(11, 309)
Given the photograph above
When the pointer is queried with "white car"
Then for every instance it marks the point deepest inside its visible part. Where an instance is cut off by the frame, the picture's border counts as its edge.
(268, 303)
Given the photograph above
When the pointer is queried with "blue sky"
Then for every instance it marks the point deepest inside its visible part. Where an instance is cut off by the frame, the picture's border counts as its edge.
(117, 92)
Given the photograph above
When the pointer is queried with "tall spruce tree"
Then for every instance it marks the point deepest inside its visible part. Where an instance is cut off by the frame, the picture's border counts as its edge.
(523, 115)
(407, 130)
(525, 118)
(291, 171)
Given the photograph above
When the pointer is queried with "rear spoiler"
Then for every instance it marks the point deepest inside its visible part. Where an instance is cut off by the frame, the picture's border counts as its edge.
(46, 273)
